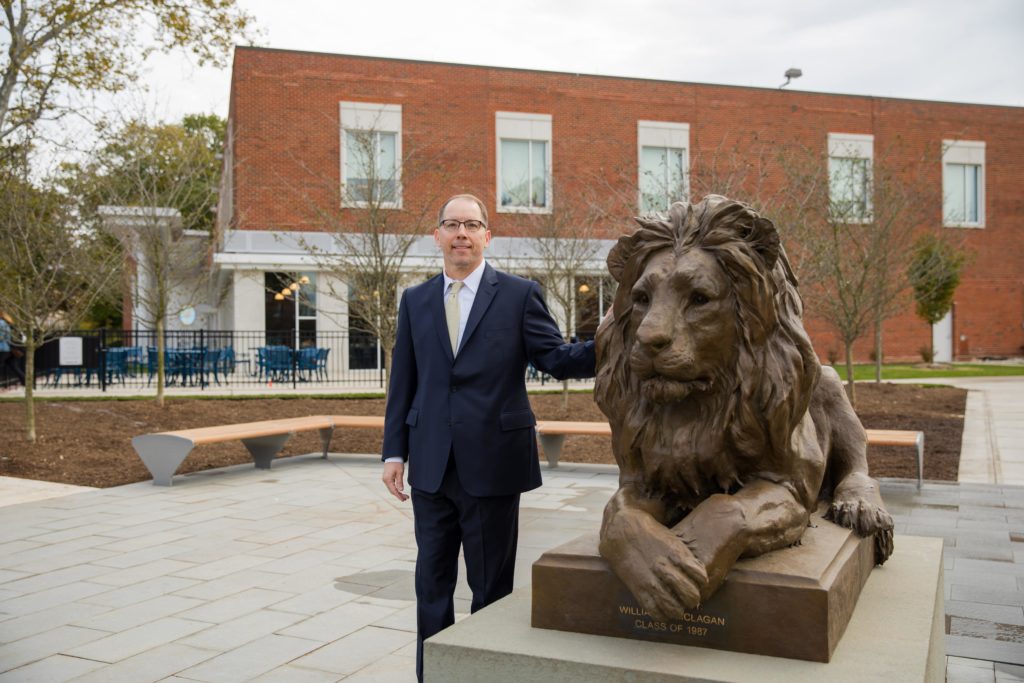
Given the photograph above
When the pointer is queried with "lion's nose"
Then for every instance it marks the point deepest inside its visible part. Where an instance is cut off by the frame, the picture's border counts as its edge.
(656, 340)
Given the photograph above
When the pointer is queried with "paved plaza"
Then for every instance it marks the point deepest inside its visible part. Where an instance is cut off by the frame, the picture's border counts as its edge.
(305, 572)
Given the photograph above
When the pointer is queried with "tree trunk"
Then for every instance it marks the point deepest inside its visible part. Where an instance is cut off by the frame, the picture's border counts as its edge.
(878, 352)
(160, 358)
(30, 380)
(849, 374)
(387, 350)
(931, 344)
(565, 397)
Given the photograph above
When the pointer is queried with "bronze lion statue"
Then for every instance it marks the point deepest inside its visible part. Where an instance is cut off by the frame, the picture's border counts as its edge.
(726, 428)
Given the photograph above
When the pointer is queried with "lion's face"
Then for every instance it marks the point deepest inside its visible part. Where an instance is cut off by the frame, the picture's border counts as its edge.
(684, 317)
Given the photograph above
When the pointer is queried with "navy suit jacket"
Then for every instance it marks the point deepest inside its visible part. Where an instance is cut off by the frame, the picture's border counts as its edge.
(474, 404)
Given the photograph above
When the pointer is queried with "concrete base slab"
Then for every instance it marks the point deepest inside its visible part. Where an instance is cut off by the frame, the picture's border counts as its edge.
(896, 634)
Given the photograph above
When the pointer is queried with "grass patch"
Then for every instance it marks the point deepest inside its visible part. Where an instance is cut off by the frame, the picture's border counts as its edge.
(914, 371)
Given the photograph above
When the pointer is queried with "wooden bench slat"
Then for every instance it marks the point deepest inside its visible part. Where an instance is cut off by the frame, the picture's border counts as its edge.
(251, 430)
(892, 437)
(577, 428)
(358, 421)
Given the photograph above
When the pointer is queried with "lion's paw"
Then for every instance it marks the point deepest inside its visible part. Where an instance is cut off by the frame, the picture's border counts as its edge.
(857, 505)
(659, 570)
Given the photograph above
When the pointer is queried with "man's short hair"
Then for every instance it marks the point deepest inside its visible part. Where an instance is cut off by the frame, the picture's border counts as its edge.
(470, 197)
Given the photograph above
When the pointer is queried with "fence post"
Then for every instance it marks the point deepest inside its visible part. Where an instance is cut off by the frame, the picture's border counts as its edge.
(103, 359)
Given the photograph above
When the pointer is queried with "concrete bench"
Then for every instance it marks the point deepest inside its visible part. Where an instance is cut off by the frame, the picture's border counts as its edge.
(552, 435)
(164, 452)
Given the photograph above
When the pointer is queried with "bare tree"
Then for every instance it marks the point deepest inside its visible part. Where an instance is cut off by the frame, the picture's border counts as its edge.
(154, 191)
(565, 246)
(52, 270)
(851, 228)
(373, 221)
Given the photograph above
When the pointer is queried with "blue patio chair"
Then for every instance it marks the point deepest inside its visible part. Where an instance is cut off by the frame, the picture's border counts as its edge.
(191, 366)
(151, 362)
(133, 360)
(211, 363)
(227, 361)
(305, 362)
(116, 361)
(279, 362)
(321, 363)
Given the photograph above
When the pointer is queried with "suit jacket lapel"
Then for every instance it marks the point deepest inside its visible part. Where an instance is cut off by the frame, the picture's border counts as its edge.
(436, 306)
(484, 296)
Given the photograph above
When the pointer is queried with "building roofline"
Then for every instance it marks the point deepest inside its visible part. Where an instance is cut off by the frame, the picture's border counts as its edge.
(618, 78)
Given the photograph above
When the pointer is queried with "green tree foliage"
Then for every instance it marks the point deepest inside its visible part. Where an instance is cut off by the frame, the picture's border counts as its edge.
(934, 273)
(53, 50)
(166, 164)
(52, 270)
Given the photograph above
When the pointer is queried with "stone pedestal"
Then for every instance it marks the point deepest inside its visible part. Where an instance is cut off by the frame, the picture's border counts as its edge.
(895, 634)
(794, 602)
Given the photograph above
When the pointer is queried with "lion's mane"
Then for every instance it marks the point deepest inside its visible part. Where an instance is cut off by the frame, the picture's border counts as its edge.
(746, 420)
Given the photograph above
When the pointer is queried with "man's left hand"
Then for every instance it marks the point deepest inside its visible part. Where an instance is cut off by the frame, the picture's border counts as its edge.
(394, 479)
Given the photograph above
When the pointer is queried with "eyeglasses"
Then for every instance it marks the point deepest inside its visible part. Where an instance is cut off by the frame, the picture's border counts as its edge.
(452, 225)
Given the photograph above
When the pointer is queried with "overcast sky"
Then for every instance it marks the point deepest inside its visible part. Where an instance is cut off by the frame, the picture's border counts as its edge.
(958, 51)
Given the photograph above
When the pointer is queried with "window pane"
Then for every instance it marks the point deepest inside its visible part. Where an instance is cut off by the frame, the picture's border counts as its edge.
(307, 296)
(675, 175)
(307, 332)
(515, 172)
(652, 190)
(971, 178)
(849, 185)
(539, 193)
(662, 177)
(387, 166)
(954, 198)
(357, 166)
(279, 314)
(588, 307)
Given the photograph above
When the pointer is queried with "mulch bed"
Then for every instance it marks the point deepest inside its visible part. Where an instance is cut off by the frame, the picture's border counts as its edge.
(88, 443)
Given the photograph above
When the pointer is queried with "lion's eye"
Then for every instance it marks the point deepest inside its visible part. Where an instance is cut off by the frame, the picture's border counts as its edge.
(698, 299)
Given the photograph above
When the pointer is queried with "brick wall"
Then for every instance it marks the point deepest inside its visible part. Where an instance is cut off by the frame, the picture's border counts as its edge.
(286, 156)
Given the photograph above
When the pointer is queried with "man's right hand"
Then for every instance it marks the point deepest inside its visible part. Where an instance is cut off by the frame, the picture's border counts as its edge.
(394, 479)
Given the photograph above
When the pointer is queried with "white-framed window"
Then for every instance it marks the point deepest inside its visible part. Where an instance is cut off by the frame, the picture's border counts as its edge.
(371, 155)
(963, 184)
(850, 159)
(524, 162)
(663, 163)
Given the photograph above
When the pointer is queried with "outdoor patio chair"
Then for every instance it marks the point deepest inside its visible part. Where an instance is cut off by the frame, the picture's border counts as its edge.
(321, 363)
(211, 363)
(305, 362)
(116, 361)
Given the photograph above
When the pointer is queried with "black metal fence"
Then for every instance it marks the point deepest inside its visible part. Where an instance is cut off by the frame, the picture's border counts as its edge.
(202, 359)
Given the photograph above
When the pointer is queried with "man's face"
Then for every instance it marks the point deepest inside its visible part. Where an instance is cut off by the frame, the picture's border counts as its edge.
(462, 250)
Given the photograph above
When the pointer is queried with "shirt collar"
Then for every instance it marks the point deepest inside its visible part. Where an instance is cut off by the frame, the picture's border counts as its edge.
(472, 281)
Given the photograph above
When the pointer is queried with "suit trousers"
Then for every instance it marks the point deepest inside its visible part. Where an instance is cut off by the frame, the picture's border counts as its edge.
(487, 529)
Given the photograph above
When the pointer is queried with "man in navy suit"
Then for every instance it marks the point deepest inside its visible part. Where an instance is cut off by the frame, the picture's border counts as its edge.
(458, 413)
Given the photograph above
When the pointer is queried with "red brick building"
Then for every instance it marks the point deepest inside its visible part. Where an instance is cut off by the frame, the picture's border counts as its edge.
(529, 142)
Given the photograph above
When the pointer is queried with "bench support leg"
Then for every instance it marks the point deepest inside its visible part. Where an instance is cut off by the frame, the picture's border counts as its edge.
(325, 439)
(162, 454)
(265, 448)
(552, 445)
(920, 459)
